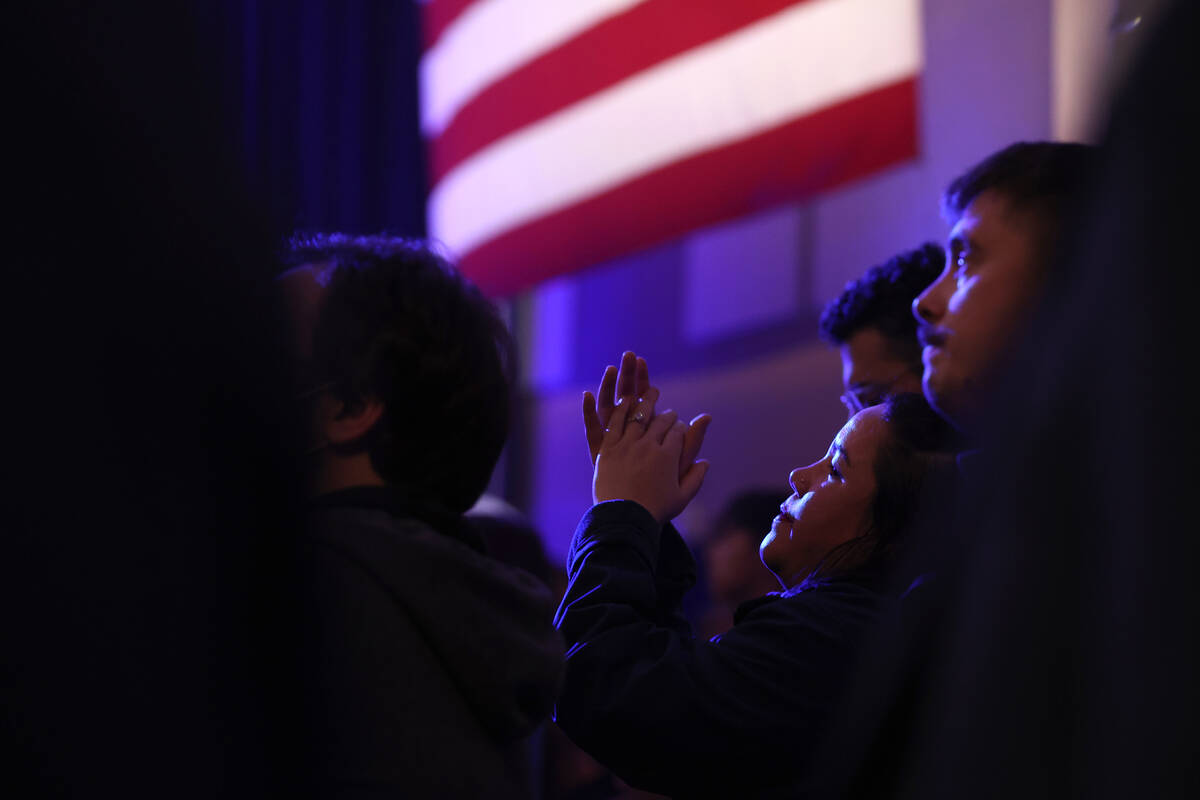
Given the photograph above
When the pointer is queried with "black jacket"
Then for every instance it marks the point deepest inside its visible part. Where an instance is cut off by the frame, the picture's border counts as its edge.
(737, 716)
(428, 663)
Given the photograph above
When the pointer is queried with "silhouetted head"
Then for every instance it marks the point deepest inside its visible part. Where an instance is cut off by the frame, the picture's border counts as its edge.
(408, 363)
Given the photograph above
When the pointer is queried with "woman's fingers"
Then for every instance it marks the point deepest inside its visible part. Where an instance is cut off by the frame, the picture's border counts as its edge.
(606, 399)
(661, 425)
(693, 438)
(643, 377)
(641, 417)
(673, 439)
(693, 479)
(617, 424)
(593, 428)
(626, 377)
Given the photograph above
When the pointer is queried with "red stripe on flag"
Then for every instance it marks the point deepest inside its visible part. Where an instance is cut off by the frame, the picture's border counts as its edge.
(438, 15)
(787, 163)
(597, 58)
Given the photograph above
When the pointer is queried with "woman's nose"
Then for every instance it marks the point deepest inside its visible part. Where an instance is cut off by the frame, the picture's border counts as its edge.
(798, 480)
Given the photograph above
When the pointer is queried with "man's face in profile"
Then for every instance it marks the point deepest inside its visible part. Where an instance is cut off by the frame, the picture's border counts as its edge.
(971, 314)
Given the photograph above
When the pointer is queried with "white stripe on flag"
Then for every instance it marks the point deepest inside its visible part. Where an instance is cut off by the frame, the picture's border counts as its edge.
(786, 66)
(492, 38)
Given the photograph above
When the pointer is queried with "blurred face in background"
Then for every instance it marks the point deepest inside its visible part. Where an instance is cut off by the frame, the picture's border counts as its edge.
(735, 573)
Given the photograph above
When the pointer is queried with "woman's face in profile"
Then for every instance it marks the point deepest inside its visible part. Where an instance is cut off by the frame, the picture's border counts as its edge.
(830, 502)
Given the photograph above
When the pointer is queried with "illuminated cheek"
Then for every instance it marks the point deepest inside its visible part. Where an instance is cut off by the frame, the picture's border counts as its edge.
(957, 300)
(802, 505)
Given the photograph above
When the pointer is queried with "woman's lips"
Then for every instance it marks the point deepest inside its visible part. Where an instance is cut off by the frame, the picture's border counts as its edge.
(930, 336)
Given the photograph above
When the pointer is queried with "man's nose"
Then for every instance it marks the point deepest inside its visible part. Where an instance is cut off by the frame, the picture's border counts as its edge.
(930, 305)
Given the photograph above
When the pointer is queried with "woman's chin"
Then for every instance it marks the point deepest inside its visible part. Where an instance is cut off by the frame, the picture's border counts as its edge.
(768, 556)
(764, 547)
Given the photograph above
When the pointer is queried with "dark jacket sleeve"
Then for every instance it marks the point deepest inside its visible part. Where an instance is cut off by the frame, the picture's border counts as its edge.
(682, 716)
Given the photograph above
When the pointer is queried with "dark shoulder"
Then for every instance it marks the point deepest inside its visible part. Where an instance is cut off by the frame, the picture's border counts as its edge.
(818, 630)
(334, 524)
(389, 512)
(839, 602)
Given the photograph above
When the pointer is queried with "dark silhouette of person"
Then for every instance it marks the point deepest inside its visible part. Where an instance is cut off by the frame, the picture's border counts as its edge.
(428, 662)
(1065, 663)
(146, 481)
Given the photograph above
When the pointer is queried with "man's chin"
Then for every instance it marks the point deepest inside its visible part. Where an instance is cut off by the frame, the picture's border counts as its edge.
(941, 397)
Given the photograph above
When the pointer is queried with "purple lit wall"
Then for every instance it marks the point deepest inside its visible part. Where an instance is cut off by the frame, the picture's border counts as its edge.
(727, 317)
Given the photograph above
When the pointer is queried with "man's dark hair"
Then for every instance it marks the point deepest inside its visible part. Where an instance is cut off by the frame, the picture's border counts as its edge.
(1048, 179)
(400, 324)
(882, 298)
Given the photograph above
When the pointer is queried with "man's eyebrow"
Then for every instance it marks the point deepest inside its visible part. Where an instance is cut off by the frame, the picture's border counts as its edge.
(845, 456)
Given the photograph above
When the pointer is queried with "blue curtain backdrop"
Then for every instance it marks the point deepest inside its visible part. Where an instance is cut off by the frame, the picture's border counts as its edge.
(325, 98)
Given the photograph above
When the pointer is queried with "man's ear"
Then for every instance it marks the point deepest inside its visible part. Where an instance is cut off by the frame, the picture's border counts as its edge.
(342, 425)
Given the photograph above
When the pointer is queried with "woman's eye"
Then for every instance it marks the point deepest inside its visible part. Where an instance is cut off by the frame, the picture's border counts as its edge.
(833, 473)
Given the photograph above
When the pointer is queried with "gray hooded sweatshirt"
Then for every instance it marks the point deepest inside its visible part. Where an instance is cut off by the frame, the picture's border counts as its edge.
(428, 663)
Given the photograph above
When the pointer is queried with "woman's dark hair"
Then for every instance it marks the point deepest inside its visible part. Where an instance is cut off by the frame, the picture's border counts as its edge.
(914, 467)
(399, 323)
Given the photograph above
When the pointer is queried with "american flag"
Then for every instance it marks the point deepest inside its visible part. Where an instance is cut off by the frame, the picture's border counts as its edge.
(563, 133)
